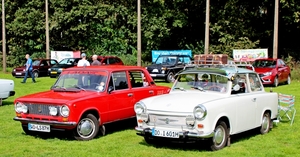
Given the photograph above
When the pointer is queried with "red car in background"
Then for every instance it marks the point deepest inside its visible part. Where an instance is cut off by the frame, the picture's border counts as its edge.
(272, 71)
(40, 68)
(84, 99)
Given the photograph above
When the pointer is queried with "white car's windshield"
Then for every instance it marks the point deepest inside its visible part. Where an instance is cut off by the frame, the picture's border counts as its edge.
(201, 82)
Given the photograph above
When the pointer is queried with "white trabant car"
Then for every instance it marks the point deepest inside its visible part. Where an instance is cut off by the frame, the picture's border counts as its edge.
(208, 103)
(7, 89)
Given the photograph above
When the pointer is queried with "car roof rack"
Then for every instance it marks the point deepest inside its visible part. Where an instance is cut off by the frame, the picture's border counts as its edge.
(216, 61)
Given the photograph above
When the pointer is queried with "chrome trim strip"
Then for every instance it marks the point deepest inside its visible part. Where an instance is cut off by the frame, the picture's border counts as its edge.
(45, 122)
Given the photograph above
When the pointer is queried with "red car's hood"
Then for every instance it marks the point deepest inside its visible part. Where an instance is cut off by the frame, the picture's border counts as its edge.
(263, 70)
(58, 97)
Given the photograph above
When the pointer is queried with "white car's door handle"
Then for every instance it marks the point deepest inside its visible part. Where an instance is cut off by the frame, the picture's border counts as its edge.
(254, 99)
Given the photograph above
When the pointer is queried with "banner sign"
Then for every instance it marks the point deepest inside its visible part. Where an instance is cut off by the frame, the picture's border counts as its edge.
(156, 53)
(249, 54)
(60, 55)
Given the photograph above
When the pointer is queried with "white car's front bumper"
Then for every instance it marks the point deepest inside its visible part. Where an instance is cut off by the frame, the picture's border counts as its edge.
(182, 134)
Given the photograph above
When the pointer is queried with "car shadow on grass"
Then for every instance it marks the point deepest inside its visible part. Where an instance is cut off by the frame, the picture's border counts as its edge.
(6, 102)
(200, 145)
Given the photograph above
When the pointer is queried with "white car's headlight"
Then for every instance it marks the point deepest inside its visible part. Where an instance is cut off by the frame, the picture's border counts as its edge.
(200, 112)
(139, 108)
(268, 73)
(64, 111)
(53, 111)
(21, 108)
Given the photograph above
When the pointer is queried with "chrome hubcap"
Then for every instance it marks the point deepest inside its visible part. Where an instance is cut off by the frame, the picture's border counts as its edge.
(85, 127)
(265, 123)
(219, 135)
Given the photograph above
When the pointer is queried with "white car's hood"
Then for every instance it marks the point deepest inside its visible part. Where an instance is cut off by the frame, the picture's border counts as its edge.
(180, 101)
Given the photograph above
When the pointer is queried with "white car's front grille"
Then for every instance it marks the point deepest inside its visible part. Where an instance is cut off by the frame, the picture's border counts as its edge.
(163, 120)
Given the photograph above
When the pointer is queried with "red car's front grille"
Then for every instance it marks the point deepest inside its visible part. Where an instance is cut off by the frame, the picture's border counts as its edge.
(41, 109)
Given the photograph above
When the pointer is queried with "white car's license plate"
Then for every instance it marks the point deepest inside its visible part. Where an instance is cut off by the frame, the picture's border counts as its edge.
(165, 133)
(38, 127)
(153, 75)
(18, 73)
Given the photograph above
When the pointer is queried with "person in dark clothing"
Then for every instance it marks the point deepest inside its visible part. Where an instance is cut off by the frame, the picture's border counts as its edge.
(95, 61)
(28, 69)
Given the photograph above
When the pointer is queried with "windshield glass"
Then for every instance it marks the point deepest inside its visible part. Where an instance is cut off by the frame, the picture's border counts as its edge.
(166, 60)
(69, 61)
(81, 80)
(264, 64)
(202, 82)
(36, 63)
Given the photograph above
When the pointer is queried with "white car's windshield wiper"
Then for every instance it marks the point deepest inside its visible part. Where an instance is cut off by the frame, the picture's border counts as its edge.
(180, 88)
(198, 88)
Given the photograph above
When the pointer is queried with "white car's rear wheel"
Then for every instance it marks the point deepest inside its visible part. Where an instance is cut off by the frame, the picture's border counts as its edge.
(265, 123)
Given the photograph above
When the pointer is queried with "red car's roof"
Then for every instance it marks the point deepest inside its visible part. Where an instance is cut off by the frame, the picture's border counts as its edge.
(107, 67)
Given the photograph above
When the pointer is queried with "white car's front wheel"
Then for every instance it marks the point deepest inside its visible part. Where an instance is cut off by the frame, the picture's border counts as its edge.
(220, 137)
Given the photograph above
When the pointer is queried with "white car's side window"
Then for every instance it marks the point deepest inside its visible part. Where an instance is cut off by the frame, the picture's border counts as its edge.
(254, 83)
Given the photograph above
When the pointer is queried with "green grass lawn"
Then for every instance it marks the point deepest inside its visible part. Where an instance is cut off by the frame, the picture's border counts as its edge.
(121, 140)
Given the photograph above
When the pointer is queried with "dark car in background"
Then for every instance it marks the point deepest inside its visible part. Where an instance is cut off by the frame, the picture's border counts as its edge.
(166, 66)
(55, 70)
(272, 71)
(40, 68)
(107, 60)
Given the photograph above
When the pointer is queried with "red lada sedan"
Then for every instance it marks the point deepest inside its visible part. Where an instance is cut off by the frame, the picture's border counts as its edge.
(84, 99)
(272, 71)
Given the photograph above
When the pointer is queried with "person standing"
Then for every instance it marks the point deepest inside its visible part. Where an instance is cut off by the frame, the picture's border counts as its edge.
(83, 61)
(95, 60)
(28, 69)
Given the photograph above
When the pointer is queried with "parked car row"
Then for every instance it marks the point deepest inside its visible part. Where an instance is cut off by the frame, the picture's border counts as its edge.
(210, 102)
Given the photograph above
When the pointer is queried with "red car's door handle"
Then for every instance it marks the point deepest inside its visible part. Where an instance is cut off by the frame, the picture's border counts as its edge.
(130, 94)
(151, 92)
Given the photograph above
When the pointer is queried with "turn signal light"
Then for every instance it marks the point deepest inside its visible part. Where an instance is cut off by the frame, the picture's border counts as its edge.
(200, 126)
(140, 121)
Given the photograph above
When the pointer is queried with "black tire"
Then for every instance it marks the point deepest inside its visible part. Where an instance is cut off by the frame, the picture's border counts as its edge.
(35, 74)
(288, 81)
(265, 123)
(219, 140)
(275, 84)
(170, 77)
(87, 128)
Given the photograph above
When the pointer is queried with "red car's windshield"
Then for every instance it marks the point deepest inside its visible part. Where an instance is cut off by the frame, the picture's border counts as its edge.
(264, 64)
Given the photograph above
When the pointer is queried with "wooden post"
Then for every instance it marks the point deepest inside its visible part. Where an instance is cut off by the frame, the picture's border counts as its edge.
(206, 45)
(275, 40)
(3, 37)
